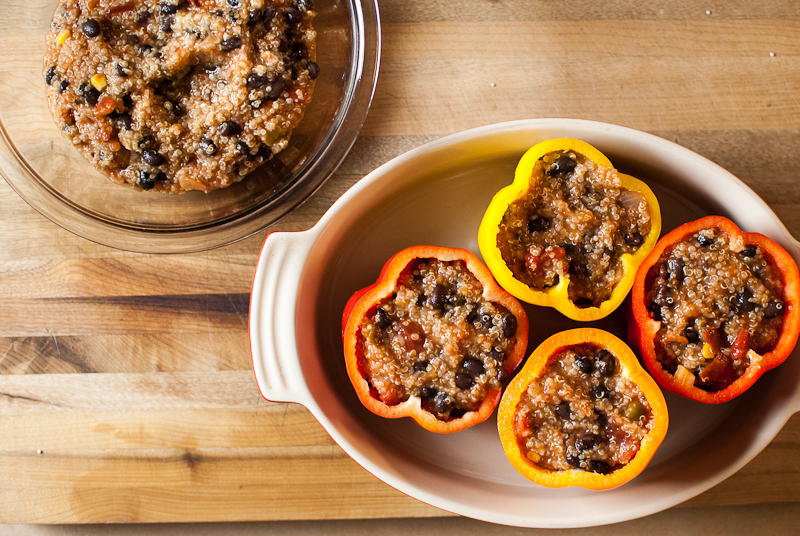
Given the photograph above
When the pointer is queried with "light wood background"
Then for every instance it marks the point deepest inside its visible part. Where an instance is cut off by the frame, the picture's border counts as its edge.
(126, 391)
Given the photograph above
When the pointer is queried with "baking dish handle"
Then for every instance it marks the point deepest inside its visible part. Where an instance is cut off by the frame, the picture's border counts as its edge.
(273, 304)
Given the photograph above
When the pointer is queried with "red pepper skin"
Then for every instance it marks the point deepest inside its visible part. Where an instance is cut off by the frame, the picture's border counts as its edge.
(642, 329)
(362, 302)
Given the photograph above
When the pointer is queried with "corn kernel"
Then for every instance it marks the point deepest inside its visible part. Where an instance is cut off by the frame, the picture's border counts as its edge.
(99, 81)
(708, 352)
(63, 36)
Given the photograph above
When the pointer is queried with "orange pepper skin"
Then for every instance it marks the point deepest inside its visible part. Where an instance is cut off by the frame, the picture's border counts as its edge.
(557, 295)
(642, 329)
(363, 302)
(535, 366)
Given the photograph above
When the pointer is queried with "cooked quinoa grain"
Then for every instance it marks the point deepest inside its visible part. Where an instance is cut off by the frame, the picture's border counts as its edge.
(719, 304)
(582, 413)
(437, 339)
(576, 219)
(180, 95)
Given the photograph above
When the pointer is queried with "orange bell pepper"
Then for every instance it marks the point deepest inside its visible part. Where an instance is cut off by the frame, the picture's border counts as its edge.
(557, 295)
(471, 365)
(717, 381)
(557, 402)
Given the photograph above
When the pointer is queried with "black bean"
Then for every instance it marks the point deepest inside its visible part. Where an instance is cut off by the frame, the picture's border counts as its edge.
(502, 375)
(509, 325)
(256, 80)
(126, 121)
(229, 128)
(704, 240)
(599, 466)
(439, 297)
(268, 15)
(563, 410)
(442, 402)
(749, 251)
(464, 381)
(421, 366)
(428, 392)
(497, 355)
(63, 86)
(293, 15)
(600, 392)
(633, 239)
(655, 310)
(602, 420)
(574, 461)
(486, 321)
(563, 165)
(585, 442)
(122, 71)
(421, 299)
(208, 146)
(91, 95)
(276, 89)
(265, 151)
(242, 148)
(313, 70)
(675, 266)
(169, 8)
(605, 363)
(233, 3)
(144, 48)
(774, 308)
(382, 319)
(300, 51)
(472, 316)
(692, 335)
(473, 367)
(166, 25)
(584, 364)
(130, 39)
(146, 180)
(232, 43)
(143, 17)
(91, 28)
(51, 74)
(743, 302)
(537, 224)
(307, 5)
(152, 158)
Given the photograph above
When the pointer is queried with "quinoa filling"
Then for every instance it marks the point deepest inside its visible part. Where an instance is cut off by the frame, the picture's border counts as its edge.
(576, 219)
(436, 338)
(582, 413)
(177, 95)
(720, 306)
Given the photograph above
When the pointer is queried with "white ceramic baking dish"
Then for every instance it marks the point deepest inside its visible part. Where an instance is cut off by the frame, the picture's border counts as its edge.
(436, 194)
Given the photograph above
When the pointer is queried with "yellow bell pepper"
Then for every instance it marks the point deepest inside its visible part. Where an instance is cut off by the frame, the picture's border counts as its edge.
(557, 296)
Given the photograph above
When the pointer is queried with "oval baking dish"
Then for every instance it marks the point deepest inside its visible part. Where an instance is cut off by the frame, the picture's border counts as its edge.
(436, 194)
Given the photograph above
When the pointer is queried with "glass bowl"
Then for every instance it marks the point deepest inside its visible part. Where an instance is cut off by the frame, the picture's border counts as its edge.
(53, 177)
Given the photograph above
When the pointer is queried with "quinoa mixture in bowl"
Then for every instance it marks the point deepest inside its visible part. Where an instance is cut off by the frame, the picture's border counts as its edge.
(438, 339)
(719, 303)
(582, 413)
(178, 95)
(576, 220)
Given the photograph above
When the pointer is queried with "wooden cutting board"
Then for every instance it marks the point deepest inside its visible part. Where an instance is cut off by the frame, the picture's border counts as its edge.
(126, 391)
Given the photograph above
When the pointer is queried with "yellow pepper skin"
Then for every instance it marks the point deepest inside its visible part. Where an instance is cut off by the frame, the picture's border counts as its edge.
(557, 296)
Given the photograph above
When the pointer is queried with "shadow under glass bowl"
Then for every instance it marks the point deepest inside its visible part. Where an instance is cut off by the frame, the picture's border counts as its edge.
(51, 175)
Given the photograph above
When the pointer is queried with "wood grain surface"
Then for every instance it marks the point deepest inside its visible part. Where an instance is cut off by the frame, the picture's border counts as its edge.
(126, 392)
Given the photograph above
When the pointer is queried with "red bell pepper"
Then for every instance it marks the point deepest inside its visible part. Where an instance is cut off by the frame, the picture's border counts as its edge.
(444, 353)
(724, 363)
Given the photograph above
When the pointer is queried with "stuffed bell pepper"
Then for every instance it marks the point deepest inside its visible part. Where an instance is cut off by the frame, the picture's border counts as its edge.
(582, 412)
(713, 308)
(434, 339)
(570, 231)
